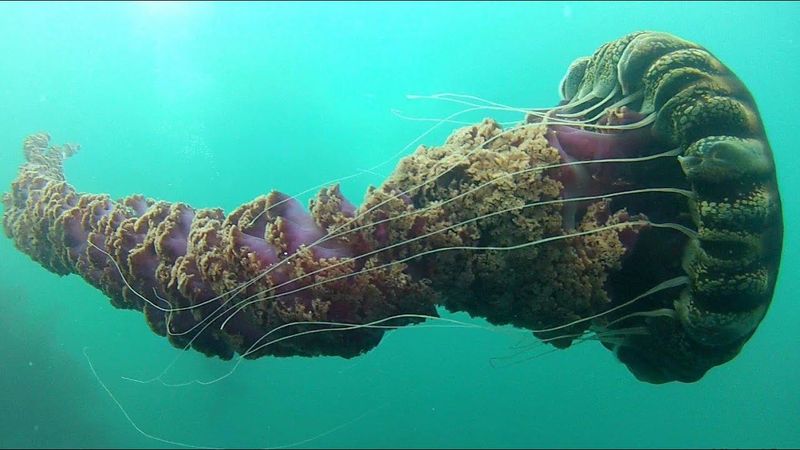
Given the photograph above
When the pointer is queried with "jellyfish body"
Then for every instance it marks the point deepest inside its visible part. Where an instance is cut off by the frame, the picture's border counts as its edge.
(655, 167)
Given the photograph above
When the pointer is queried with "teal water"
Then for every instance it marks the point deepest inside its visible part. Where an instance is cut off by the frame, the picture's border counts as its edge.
(213, 104)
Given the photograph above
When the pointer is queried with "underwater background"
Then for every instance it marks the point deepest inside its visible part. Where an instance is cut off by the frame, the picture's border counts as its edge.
(214, 104)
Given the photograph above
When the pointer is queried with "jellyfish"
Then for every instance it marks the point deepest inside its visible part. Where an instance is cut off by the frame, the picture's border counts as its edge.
(643, 208)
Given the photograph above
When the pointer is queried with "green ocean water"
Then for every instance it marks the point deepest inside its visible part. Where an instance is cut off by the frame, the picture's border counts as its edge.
(214, 104)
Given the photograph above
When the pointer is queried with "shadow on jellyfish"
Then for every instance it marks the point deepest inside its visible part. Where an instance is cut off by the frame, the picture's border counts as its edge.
(642, 211)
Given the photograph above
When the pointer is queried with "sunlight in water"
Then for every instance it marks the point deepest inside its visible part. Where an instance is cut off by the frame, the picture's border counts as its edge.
(163, 8)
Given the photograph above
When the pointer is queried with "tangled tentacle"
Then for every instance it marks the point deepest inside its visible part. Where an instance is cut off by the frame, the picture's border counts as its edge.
(270, 262)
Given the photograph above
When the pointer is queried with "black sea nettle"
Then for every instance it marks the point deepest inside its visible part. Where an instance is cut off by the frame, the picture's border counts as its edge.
(643, 210)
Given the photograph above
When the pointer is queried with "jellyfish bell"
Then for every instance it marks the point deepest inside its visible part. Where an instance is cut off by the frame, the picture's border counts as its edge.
(643, 209)
(658, 92)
